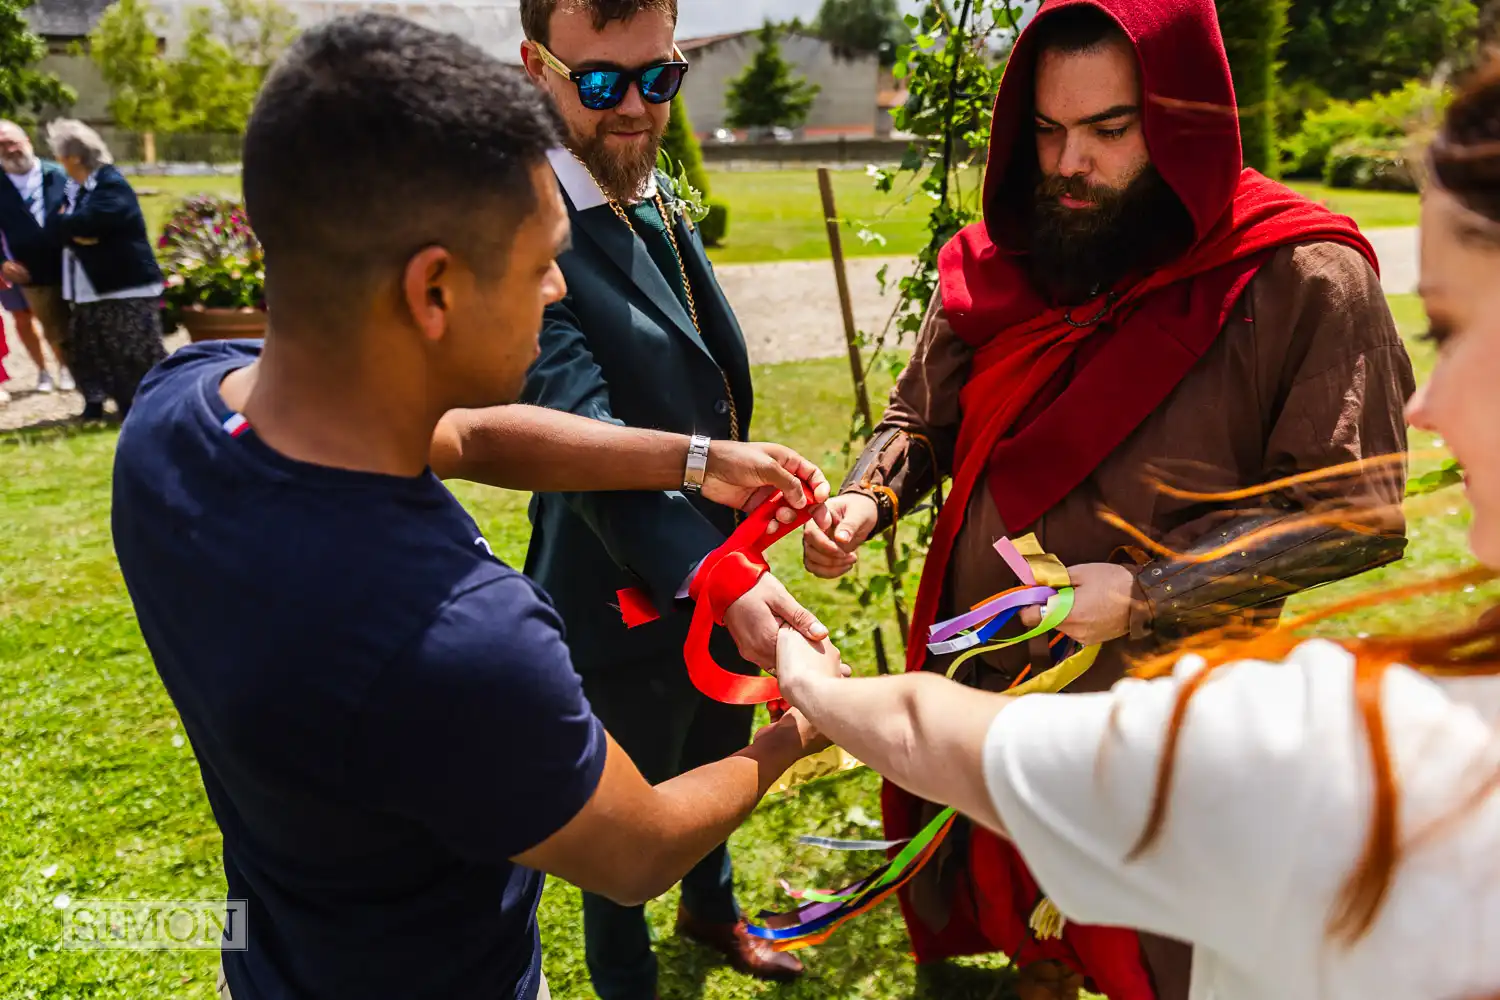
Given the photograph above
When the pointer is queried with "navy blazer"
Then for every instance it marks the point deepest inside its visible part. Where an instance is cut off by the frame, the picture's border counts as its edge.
(29, 243)
(622, 348)
(116, 253)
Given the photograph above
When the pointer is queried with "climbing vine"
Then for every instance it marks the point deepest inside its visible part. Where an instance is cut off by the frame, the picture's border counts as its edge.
(951, 71)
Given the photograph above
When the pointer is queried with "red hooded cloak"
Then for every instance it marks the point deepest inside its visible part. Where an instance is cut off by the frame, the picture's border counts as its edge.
(1047, 401)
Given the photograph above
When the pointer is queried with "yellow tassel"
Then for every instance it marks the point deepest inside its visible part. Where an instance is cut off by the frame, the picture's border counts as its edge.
(1047, 921)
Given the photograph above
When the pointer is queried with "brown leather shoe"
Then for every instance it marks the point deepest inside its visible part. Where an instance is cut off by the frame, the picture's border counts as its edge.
(746, 953)
(1047, 981)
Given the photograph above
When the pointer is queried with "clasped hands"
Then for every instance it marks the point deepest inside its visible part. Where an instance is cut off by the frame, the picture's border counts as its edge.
(777, 634)
(744, 476)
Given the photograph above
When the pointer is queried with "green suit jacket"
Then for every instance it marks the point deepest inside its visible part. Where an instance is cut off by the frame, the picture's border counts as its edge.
(622, 348)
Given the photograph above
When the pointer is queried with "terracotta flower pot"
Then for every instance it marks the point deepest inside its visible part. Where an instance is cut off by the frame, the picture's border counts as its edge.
(224, 324)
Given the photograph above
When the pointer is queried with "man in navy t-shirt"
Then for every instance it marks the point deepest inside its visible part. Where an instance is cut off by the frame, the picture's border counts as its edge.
(390, 732)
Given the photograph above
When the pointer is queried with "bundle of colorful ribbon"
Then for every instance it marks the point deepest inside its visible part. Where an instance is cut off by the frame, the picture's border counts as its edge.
(1044, 583)
(729, 572)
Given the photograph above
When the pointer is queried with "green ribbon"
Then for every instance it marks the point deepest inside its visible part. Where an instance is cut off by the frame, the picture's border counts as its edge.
(1061, 607)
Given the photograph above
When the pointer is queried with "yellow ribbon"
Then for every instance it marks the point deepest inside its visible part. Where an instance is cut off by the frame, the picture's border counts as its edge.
(1046, 567)
(834, 760)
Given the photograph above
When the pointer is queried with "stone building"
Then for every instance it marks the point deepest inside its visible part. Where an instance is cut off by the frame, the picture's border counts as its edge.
(64, 25)
(847, 103)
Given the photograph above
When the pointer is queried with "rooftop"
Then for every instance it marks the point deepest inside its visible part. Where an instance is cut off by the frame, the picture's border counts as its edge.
(64, 18)
(705, 41)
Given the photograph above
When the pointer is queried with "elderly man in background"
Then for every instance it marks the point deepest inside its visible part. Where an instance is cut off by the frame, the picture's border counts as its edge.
(33, 259)
(109, 272)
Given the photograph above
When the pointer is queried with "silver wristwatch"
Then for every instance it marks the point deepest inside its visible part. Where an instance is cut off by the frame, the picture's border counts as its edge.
(697, 464)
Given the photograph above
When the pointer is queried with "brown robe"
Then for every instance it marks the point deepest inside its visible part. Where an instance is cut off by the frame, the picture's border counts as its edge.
(1309, 373)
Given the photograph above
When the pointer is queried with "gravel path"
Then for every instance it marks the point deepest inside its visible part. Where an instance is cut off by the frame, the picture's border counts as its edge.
(789, 312)
(29, 408)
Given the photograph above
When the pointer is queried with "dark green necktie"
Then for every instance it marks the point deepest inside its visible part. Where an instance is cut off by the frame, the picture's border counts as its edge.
(652, 229)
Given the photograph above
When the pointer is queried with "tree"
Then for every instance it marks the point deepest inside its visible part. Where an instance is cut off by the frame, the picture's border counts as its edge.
(855, 27)
(224, 61)
(681, 145)
(767, 94)
(1350, 49)
(24, 90)
(125, 46)
(1253, 33)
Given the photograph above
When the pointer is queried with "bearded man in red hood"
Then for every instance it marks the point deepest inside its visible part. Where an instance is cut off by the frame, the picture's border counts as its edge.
(1135, 309)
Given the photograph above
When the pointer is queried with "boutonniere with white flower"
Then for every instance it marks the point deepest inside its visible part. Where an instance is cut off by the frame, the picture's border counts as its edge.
(681, 198)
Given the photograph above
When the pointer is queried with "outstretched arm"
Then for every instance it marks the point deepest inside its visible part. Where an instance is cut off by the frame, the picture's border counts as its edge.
(657, 535)
(502, 756)
(909, 453)
(633, 842)
(540, 450)
(922, 731)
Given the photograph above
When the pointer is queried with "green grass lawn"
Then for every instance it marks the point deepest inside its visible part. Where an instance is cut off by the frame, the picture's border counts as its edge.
(778, 214)
(101, 798)
(1371, 209)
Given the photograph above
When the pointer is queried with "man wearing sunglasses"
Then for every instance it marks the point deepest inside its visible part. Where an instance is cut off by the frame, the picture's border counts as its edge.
(643, 338)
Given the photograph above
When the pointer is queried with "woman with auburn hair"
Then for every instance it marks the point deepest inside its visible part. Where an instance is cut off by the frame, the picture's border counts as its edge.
(1317, 819)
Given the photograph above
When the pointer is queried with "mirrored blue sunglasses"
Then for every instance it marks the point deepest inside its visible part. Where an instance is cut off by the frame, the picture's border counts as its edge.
(603, 89)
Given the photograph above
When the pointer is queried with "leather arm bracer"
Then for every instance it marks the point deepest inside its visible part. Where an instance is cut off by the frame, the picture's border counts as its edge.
(896, 470)
(1193, 594)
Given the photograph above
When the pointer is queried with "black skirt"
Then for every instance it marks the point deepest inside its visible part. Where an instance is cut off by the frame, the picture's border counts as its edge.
(112, 344)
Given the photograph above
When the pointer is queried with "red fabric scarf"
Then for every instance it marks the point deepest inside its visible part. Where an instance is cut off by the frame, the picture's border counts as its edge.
(1047, 402)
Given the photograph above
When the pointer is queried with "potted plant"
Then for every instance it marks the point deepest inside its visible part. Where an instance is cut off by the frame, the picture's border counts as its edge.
(215, 271)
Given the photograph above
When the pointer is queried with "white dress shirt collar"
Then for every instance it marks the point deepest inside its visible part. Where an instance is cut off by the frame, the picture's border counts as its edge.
(581, 188)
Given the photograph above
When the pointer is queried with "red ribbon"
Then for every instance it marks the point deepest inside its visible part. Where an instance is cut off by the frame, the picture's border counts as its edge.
(724, 576)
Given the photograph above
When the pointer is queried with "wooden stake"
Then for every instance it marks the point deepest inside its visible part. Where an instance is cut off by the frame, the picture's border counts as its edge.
(857, 370)
(846, 303)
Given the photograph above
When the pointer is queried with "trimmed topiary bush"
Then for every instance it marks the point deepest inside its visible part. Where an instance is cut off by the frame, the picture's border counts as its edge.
(1380, 122)
(681, 145)
(1253, 32)
(715, 225)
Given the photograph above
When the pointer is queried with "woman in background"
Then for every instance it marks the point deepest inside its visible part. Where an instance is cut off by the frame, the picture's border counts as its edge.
(1318, 820)
(110, 274)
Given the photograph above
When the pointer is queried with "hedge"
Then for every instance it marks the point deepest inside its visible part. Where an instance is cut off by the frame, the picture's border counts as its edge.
(681, 144)
(716, 226)
(1379, 128)
(1253, 31)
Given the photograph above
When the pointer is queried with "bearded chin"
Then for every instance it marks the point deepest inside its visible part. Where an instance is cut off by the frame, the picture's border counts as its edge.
(621, 176)
(1079, 254)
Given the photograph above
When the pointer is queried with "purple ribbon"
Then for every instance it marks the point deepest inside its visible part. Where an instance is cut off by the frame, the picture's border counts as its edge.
(1020, 599)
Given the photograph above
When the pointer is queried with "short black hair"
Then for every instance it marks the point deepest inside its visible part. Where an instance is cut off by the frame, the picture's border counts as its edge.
(1080, 28)
(374, 138)
(536, 15)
